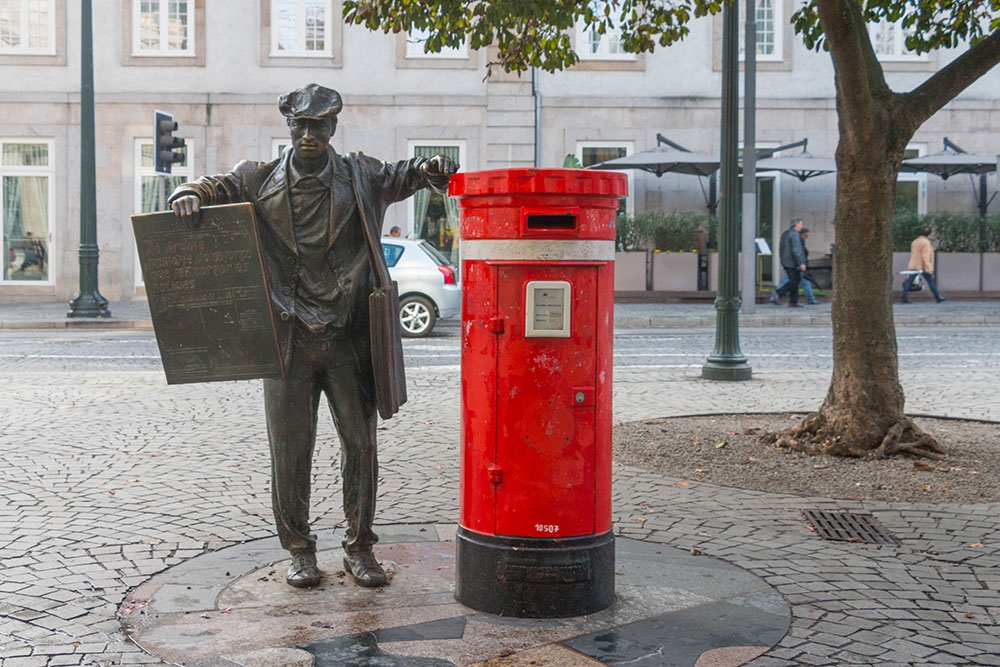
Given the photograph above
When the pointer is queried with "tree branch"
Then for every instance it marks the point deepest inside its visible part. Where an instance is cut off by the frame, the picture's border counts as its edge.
(859, 77)
(925, 100)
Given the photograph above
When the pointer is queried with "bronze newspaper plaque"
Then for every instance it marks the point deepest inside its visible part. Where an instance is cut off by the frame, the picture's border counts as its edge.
(208, 295)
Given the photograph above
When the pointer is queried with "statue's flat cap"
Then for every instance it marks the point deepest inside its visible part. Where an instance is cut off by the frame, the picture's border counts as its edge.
(312, 101)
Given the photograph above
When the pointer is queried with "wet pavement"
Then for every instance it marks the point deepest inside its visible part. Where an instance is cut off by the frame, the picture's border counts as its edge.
(118, 492)
(213, 608)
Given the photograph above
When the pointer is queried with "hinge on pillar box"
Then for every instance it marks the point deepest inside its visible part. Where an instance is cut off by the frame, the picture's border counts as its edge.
(495, 325)
(494, 474)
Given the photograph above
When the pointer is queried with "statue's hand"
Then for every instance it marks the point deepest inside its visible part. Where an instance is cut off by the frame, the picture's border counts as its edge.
(188, 209)
(440, 165)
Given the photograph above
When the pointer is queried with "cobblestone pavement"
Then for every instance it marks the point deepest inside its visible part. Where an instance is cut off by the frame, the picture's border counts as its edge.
(108, 476)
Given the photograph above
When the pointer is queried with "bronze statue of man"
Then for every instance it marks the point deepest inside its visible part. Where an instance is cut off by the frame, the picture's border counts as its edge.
(320, 217)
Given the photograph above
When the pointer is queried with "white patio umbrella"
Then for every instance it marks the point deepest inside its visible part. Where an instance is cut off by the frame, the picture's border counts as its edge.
(953, 160)
(950, 162)
(664, 161)
(800, 165)
(673, 160)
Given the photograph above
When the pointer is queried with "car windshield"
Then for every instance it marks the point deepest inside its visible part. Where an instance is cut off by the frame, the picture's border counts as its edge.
(435, 254)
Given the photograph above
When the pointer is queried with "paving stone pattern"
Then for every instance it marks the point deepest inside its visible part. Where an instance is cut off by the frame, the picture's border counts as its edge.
(108, 477)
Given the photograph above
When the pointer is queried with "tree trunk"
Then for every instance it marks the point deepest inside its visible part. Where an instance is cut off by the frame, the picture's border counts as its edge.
(862, 415)
(863, 411)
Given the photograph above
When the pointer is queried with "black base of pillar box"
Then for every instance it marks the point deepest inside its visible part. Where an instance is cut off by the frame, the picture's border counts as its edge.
(529, 577)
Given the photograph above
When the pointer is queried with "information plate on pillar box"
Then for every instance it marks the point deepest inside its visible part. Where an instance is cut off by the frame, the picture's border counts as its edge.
(208, 295)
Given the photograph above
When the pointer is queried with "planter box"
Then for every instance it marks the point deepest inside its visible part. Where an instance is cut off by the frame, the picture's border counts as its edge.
(713, 271)
(991, 272)
(630, 271)
(957, 271)
(675, 271)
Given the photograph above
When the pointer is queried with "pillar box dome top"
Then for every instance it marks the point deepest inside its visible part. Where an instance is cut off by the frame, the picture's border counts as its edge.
(538, 203)
(538, 181)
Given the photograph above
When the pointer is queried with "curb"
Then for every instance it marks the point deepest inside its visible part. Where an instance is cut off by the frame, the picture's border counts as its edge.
(620, 323)
(778, 321)
(110, 323)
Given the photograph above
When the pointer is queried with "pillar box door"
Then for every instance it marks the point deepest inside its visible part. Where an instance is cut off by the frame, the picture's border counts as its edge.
(546, 430)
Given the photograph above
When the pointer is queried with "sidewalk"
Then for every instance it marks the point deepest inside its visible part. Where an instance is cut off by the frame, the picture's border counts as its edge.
(135, 315)
(127, 501)
(123, 499)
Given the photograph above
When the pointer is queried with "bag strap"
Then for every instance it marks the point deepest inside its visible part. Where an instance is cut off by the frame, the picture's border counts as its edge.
(382, 279)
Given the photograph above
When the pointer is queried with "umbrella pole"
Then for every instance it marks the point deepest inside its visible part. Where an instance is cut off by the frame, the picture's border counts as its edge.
(982, 202)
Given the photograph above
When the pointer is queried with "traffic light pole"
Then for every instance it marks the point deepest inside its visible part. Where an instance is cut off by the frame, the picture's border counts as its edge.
(89, 302)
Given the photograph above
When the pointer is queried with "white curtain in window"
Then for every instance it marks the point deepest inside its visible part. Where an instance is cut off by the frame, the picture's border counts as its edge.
(177, 26)
(26, 198)
(38, 24)
(149, 24)
(442, 233)
(35, 205)
(25, 210)
(150, 195)
(10, 23)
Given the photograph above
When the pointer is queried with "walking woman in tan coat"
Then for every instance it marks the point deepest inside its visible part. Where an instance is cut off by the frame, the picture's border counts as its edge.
(922, 260)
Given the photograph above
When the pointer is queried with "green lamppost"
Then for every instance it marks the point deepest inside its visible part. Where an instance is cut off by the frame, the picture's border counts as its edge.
(89, 302)
(727, 361)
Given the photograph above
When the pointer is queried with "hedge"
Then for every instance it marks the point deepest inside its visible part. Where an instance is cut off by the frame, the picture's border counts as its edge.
(951, 232)
(656, 230)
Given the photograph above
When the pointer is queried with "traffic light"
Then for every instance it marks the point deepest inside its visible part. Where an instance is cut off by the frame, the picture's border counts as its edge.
(165, 143)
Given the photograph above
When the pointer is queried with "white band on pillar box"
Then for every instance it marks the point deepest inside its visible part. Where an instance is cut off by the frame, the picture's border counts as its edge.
(547, 308)
(543, 250)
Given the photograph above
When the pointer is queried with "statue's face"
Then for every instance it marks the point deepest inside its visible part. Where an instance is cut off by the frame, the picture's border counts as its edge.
(310, 137)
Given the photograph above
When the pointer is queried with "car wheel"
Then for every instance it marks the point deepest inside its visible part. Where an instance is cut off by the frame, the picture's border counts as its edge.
(416, 316)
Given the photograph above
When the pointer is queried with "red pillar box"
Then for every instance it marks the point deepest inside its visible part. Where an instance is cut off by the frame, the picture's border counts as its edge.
(537, 246)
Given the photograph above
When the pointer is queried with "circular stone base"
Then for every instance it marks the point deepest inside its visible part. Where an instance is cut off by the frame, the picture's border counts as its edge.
(220, 606)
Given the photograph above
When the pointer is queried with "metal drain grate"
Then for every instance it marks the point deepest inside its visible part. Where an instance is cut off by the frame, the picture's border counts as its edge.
(848, 527)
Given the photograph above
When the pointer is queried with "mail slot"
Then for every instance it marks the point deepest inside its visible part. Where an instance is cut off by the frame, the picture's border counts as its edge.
(534, 537)
(554, 221)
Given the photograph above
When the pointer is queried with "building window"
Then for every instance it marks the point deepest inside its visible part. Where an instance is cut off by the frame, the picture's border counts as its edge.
(416, 39)
(26, 212)
(301, 28)
(592, 152)
(27, 26)
(592, 45)
(433, 216)
(147, 183)
(769, 31)
(889, 41)
(911, 187)
(163, 28)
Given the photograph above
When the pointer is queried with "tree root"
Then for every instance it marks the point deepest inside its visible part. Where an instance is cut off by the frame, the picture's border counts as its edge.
(905, 437)
(818, 434)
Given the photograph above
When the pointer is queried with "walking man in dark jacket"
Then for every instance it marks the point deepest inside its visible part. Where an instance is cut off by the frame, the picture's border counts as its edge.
(319, 218)
(792, 253)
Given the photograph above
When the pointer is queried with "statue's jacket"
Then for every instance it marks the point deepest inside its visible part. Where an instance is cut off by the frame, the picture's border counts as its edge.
(362, 188)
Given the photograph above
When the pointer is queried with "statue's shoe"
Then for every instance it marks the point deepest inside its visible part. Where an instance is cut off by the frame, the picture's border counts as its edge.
(303, 572)
(365, 570)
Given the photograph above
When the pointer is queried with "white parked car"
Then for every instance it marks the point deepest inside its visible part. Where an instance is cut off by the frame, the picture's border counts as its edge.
(428, 284)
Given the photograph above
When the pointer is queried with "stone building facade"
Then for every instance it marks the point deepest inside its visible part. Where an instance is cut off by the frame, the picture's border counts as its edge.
(219, 67)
